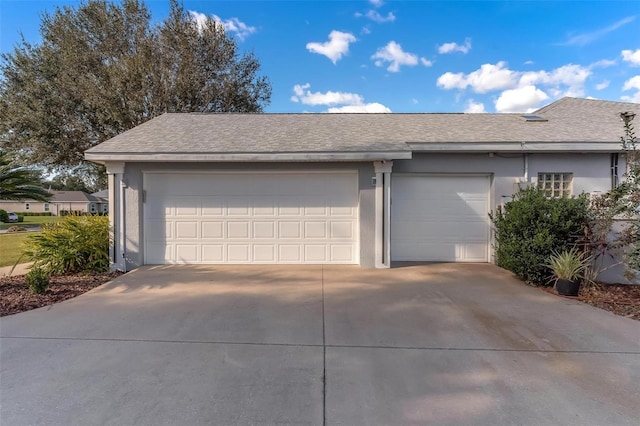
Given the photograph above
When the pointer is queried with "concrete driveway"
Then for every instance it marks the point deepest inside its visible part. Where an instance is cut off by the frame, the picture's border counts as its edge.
(424, 344)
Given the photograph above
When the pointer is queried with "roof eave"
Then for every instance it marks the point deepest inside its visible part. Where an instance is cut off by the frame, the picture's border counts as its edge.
(101, 157)
(516, 147)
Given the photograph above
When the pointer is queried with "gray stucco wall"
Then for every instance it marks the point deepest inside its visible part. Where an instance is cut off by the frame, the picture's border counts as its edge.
(134, 207)
(591, 172)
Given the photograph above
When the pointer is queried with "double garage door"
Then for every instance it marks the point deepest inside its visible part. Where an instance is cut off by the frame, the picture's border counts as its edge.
(440, 218)
(251, 218)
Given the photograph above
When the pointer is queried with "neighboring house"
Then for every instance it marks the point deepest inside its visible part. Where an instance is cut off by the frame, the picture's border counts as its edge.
(77, 201)
(363, 189)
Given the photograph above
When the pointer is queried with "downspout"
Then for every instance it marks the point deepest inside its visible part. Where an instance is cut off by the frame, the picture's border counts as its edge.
(123, 227)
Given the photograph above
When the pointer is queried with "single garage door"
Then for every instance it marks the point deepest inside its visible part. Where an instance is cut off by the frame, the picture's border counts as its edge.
(440, 218)
(251, 218)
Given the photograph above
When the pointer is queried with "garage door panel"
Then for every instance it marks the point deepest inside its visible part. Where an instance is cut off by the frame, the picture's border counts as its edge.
(238, 253)
(188, 230)
(315, 253)
(440, 218)
(340, 230)
(315, 230)
(237, 230)
(187, 253)
(261, 217)
(290, 253)
(264, 209)
(264, 253)
(341, 253)
(212, 253)
(212, 229)
(263, 230)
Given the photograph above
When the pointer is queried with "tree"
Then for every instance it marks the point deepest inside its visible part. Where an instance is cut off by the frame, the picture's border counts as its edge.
(70, 182)
(614, 228)
(103, 68)
(19, 183)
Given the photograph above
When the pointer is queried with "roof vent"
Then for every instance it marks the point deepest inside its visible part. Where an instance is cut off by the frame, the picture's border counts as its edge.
(532, 118)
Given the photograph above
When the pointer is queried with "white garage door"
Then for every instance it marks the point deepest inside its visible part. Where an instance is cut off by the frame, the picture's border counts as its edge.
(440, 218)
(251, 218)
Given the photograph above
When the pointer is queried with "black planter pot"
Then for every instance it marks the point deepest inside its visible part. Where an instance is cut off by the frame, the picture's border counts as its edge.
(567, 288)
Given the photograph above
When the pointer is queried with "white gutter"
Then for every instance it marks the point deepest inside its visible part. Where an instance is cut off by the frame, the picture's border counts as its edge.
(516, 147)
(248, 157)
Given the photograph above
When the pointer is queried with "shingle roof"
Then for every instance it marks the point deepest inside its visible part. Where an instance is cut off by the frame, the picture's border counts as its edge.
(72, 197)
(569, 120)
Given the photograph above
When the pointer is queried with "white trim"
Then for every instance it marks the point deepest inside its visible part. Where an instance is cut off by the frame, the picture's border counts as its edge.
(383, 213)
(114, 167)
(515, 146)
(248, 171)
(387, 218)
(107, 158)
(379, 216)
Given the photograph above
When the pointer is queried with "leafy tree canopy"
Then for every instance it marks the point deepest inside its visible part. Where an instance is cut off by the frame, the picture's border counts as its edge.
(103, 68)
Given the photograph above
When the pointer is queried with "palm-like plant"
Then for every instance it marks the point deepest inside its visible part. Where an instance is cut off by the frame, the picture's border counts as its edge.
(20, 183)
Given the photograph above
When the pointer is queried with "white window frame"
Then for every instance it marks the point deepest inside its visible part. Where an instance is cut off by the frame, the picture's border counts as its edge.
(556, 184)
(46, 207)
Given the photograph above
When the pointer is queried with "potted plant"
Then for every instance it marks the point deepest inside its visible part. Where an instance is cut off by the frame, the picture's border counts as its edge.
(568, 268)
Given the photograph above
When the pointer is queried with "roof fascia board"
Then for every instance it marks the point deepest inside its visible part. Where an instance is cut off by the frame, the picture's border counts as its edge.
(516, 147)
(249, 157)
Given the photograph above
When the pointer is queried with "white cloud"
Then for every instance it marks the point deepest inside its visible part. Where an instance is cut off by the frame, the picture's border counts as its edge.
(395, 56)
(523, 99)
(337, 101)
(586, 38)
(232, 25)
(603, 63)
(304, 95)
(365, 30)
(633, 57)
(571, 76)
(426, 62)
(376, 3)
(632, 84)
(373, 107)
(603, 85)
(415, 101)
(489, 77)
(455, 47)
(335, 48)
(474, 107)
(567, 80)
(375, 16)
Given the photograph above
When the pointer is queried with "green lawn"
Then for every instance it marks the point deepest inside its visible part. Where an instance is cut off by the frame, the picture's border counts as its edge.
(11, 248)
(33, 220)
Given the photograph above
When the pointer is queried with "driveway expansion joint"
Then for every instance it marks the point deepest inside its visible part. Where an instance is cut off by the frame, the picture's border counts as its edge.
(324, 346)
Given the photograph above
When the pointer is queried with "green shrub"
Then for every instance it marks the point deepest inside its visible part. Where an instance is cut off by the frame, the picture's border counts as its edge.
(72, 213)
(38, 280)
(4, 216)
(74, 244)
(532, 227)
(20, 217)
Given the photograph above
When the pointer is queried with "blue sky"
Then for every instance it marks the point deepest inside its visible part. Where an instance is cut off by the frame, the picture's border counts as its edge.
(416, 56)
